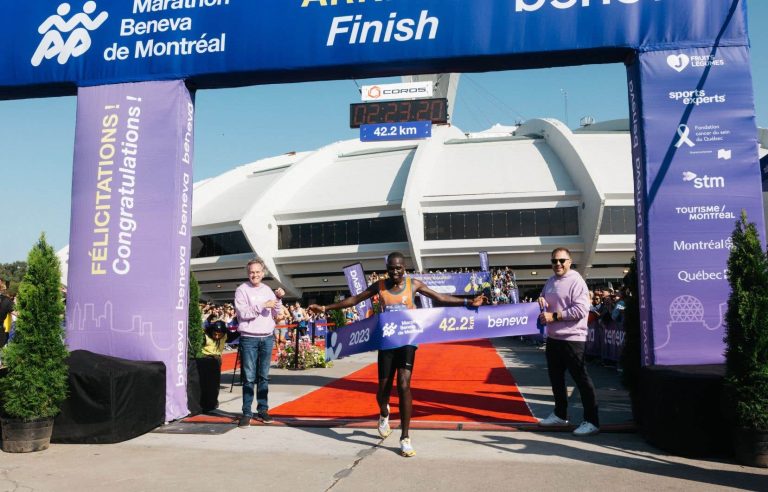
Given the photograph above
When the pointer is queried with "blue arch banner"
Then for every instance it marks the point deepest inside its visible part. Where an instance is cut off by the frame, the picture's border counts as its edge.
(53, 46)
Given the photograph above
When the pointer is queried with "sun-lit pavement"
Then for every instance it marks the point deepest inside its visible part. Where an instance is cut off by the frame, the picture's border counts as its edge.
(353, 459)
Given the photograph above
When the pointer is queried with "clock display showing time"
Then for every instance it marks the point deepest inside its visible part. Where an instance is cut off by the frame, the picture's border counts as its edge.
(434, 110)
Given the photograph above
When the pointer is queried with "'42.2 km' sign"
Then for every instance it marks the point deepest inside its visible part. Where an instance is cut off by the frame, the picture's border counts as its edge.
(396, 131)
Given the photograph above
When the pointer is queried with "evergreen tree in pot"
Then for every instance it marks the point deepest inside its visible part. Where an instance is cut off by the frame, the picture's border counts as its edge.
(36, 383)
(746, 355)
(195, 335)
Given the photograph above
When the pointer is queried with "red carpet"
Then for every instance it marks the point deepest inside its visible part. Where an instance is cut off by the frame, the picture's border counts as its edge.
(458, 382)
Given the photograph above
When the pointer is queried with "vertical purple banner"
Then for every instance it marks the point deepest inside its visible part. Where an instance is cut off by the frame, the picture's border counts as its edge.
(483, 261)
(357, 283)
(696, 168)
(130, 231)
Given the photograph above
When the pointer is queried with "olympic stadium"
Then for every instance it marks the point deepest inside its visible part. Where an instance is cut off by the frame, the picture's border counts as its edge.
(514, 191)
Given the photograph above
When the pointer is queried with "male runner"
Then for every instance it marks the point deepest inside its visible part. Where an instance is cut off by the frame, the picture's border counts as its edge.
(396, 294)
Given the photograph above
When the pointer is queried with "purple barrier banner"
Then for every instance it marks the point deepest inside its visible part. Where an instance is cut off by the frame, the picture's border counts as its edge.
(484, 261)
(612, 342)
(605, 339)
(420, 326)
(130, 229)
(456, 284)
(694, 144)
(593, 346)
(357, 283)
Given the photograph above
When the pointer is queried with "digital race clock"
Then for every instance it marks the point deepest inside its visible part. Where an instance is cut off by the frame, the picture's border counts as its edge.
(434, 110)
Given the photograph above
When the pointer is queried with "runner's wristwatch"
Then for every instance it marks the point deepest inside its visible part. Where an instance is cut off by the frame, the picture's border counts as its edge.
(555, 316)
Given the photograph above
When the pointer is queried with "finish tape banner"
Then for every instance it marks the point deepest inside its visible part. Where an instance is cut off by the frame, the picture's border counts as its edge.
(702, 169)
(129, 244)
(53, 46)
(419, 326)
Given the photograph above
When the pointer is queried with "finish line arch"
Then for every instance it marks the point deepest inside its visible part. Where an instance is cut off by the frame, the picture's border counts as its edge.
(135, 65)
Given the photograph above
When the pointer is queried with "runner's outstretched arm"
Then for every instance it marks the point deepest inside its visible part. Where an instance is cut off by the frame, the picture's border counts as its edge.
(371, 291)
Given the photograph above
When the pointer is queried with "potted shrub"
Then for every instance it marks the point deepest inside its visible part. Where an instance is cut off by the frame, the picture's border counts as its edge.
(36, 382)
(746, 339)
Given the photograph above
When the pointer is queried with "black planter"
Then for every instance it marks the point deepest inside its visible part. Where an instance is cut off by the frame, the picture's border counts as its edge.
(751, 447)
(21, 436)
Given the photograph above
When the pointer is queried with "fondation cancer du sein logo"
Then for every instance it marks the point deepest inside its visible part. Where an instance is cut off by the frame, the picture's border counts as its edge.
(66, 36)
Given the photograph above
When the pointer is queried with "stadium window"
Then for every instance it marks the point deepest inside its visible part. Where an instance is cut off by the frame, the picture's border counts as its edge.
(222, 244)
(502, 223)
(457, 226)
(499, 220)
(443, 226)
(528, 222)
(342, 233)
(556, 222)
(329, 234)
(543, 222)
(514, 228)
(571, 217)
(471, 226)
(430, 227)
(485, 224)
(618, 220)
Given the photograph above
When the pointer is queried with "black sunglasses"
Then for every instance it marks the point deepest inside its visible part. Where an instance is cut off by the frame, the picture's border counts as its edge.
(561, 260)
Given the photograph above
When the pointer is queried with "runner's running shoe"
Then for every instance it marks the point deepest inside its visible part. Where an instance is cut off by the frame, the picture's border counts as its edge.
(384, 429)
(405, 448)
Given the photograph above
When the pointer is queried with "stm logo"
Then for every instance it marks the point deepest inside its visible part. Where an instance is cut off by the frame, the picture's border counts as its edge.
(389, 329)
(77, 28)
(705, 182)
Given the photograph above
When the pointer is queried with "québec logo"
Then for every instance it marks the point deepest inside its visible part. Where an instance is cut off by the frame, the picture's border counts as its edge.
(78, 28)
(389, 329)
(705, 182)
(678, 62)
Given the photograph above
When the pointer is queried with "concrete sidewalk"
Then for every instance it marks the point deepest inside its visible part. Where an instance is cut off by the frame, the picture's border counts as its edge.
(339, 459)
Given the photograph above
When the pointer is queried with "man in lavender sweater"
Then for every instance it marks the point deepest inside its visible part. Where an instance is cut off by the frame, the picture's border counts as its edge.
(256, 307)
(564, 306)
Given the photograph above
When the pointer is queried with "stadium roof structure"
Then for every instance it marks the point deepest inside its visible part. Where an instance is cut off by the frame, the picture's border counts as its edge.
(514, 191)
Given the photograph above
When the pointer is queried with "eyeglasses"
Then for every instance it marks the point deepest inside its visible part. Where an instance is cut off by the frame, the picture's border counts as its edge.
(561, 260)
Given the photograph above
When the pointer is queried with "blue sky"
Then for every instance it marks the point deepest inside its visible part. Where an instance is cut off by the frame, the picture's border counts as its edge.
(236, 126)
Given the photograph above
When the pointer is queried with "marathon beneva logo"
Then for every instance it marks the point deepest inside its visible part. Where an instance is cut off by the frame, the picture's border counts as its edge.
(67, 32)
(396, 91)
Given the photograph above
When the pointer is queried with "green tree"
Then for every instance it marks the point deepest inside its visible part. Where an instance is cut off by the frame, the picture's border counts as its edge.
(36, 383)
(13, 273)
(194, 324)
(746, 339)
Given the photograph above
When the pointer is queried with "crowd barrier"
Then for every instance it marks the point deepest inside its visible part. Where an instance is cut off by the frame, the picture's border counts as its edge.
(605, 339)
